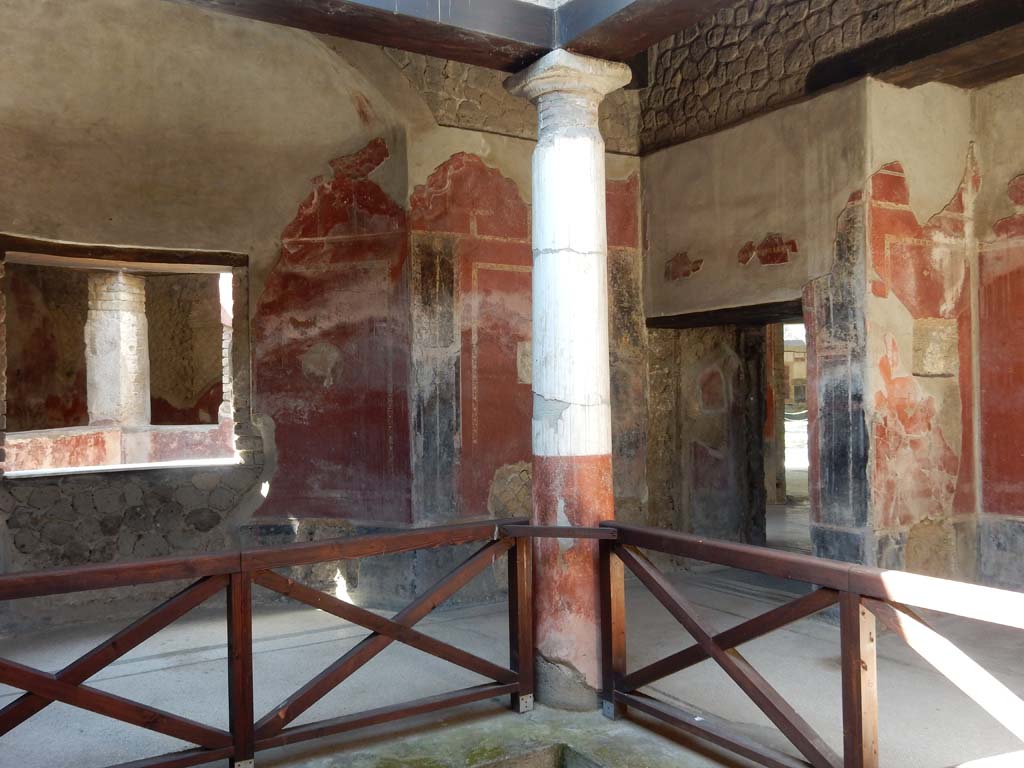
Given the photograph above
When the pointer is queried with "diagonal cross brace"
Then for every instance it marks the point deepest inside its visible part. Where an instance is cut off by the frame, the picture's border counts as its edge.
(750, 681)
(731, 638)
(80, 670)
(274, 721)
(116, 707)
(382, 626)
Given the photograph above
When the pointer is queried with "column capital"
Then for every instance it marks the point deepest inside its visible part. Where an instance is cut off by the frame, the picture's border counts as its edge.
(563, 72)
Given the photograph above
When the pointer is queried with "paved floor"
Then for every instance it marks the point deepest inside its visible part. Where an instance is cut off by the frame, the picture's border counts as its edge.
(925, 721)
(789, 525)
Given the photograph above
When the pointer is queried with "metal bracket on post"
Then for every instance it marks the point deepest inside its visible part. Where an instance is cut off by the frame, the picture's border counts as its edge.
(250, 763)
(611, 710)
(525, 703)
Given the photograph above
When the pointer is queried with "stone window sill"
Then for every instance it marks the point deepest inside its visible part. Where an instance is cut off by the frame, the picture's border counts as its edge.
(106, 468)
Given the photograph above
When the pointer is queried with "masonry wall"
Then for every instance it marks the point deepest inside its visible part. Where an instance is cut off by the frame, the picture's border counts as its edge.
(727, 226)
(758, 55)
(382, 335)
(194, 130)
(999, 228)
(911, 336)
(185, 322)
(46, 348)
(705, 443)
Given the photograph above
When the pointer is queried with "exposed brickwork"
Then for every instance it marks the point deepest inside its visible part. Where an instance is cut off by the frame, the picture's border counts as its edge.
(756, 55)
(466, 96)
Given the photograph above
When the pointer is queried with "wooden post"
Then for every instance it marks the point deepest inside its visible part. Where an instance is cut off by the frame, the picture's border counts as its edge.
(520, 621)
(613, 628)
(240, 669)
(860, 685)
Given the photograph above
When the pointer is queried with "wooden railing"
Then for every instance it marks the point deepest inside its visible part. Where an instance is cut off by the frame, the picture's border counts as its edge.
(863, 595)
(236, 572)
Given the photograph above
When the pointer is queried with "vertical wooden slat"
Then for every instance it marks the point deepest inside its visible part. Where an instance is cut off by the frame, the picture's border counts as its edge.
(860, 687)
(520, 619)
(240, 666)
(613, 628)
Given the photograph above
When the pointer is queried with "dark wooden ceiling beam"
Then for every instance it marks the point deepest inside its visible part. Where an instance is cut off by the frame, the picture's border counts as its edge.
(505, 35)
(621, 29)
(923, 52)
(975, 63)
(500, 34)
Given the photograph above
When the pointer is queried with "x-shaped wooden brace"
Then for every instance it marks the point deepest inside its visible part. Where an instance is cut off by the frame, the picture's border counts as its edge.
(382, 637)
(67, 685)
(731, 638)
(750, 681)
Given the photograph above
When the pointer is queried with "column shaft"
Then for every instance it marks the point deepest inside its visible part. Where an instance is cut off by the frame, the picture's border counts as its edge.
(572, 445)
(117, 350)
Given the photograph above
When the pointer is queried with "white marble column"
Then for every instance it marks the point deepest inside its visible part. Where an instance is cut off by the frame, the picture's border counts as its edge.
(117, 350)
(572, 442)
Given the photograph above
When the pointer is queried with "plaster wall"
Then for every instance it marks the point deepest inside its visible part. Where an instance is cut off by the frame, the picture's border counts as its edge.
(999, 110)
(705, 443)
(748, 215)
(45, 348)
(166, 125)
(185, 348)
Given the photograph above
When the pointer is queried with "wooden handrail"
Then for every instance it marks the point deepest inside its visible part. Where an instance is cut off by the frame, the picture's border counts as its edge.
(237, 572)
(86, 577)
(863, 593)
(972, 601)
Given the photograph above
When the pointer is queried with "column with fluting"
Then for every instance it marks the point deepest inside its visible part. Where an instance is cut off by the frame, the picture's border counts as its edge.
(572, 443)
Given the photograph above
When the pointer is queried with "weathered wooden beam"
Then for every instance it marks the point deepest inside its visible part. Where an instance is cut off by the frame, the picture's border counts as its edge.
(920, 42)
(620, 29)
(760, 314)
(558, 532)
(504, 35)
(969, 65)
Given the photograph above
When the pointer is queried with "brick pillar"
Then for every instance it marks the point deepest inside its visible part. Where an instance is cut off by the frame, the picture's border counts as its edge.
(572, 444)
(117, 350)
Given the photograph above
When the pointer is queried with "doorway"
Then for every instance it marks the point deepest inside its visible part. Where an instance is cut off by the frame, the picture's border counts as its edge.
(787, 460)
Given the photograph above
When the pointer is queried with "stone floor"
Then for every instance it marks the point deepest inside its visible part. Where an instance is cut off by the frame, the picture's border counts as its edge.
(925, 721)
(789, 525)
